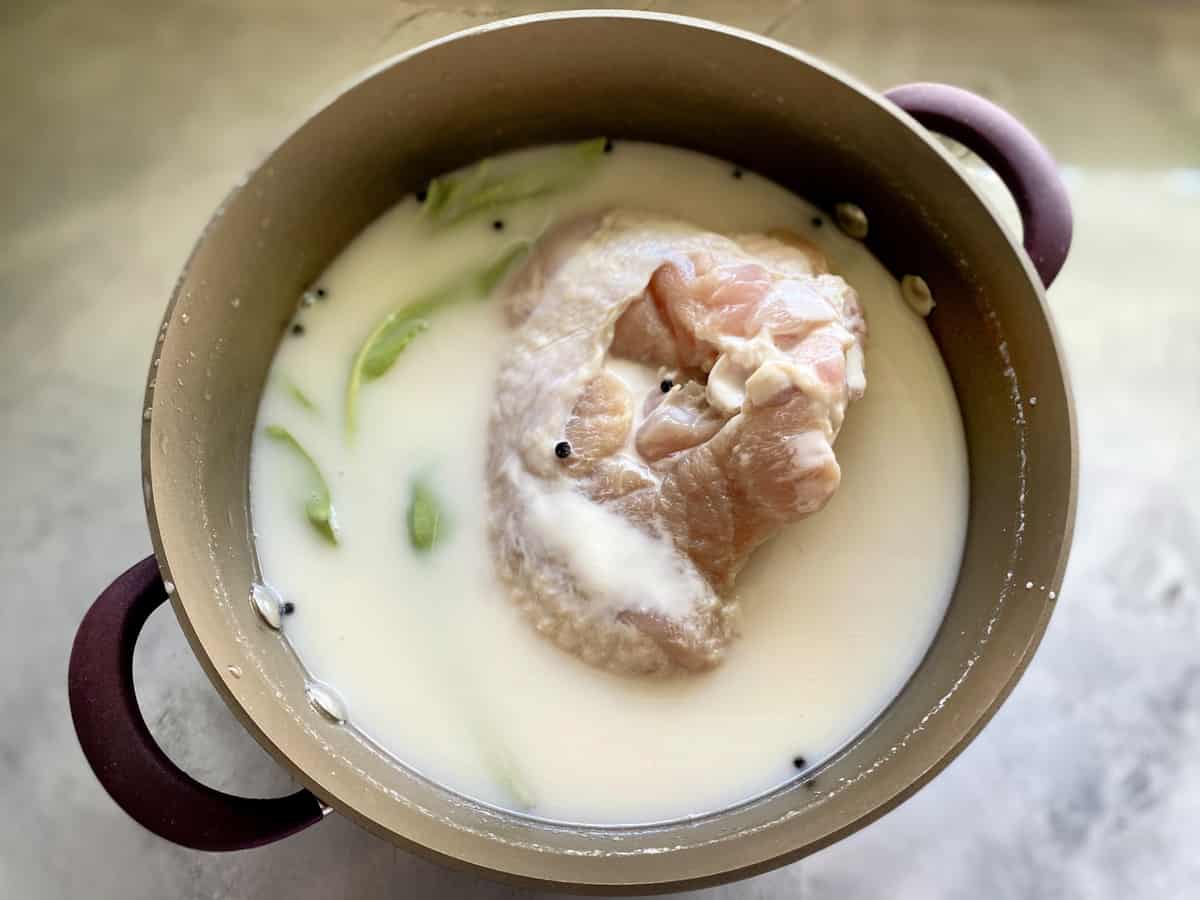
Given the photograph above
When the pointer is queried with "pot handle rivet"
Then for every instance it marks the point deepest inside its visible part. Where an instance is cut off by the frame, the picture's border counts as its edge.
(1023, 164)
(124, 755)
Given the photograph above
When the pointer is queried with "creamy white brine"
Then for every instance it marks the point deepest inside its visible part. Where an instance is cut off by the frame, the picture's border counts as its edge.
(430, 656)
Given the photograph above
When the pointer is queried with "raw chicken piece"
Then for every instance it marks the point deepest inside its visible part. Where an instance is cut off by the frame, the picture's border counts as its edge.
(620, 523)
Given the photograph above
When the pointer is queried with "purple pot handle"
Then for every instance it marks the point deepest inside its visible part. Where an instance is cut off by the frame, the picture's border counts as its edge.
(1023, 164)
(123, 754)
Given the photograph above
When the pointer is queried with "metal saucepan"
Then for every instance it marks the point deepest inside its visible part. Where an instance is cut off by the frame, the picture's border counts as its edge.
(551, 78)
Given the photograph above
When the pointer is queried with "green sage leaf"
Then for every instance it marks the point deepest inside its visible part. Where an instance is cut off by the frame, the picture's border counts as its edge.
(319, 505)
(452, 198)
(392, 335)
(424, 517)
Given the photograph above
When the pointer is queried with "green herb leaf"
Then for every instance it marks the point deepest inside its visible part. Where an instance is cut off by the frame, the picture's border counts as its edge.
(390, 343)
(424, 517)
(300, 397)
(398, 328)
(319, 506)
(426, 524)
(453, 198)
(499, 759)
(485, 280)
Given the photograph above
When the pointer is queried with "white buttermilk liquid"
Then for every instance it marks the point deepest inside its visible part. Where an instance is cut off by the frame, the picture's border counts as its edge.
(437, 666)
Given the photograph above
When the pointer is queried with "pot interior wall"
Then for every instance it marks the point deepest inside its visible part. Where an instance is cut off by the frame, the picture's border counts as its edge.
(628, 77)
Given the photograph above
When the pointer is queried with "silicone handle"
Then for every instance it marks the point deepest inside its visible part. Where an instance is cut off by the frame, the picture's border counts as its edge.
(123, 754)
(1023, 164)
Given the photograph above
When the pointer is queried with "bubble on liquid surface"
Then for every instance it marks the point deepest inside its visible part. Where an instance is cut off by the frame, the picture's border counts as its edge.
(326, 701)
(917, 295)
(169, 587)
(268, 604)
(852, 220)
(234, 671)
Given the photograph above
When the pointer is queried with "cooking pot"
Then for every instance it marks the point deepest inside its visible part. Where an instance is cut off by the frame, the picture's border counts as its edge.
(560, 77)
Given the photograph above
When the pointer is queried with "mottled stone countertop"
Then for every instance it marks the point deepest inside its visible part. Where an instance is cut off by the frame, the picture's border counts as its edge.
(125, 124)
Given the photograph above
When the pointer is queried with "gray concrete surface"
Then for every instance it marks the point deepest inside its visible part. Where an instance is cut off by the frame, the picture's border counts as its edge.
(124, 124)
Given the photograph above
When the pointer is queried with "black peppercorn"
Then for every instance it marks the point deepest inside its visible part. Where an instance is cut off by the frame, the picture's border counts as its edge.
(562, 449)
(498, 224)
(321, 293)
(288, 608)
(297, 329)
(666, 385)
(799, 762)
(817, 221)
